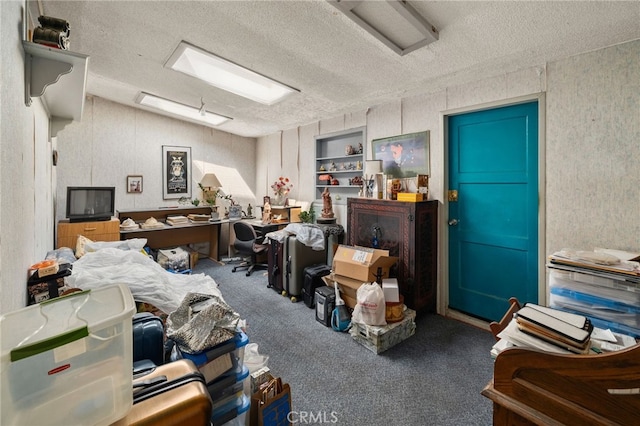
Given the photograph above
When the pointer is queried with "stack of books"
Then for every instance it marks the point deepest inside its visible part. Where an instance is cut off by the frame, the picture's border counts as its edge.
(547, 329)
(199, 217)
(564, 329)
(177, 220)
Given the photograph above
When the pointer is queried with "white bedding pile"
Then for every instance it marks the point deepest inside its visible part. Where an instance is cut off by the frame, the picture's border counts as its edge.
(147, 280)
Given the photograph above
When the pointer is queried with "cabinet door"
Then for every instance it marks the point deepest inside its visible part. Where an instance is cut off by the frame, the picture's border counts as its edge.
(390, 221)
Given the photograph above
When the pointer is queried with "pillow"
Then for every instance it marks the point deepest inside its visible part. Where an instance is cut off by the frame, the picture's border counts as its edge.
(81, 245)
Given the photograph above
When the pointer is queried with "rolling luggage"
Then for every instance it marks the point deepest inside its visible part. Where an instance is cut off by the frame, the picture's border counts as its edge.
(313, 279)
(297, 257)
(275, 265)
(171, 394)
(148, 338)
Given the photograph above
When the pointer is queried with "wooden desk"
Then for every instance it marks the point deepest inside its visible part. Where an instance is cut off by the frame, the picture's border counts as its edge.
(174, 235)
(160, 213)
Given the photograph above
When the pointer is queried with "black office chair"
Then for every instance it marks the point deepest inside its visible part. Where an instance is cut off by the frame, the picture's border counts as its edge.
(247, 246)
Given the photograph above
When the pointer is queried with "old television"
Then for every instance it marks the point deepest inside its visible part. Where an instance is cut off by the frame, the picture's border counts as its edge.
(90, 203)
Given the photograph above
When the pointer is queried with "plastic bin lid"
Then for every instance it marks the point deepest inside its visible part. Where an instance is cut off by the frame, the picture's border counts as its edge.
(246, 404)
(241, 339)
(32, 330)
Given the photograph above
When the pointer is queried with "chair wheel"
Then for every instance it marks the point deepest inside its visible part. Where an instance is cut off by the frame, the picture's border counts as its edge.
(234, 269)
(284, 293)
(248, 273)
(294, 299)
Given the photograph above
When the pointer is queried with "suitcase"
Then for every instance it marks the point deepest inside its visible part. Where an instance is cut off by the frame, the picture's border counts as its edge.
(313, 279)
(275, 265)
(298, 256)
(171, 394)
(325, 303)
(148, 338)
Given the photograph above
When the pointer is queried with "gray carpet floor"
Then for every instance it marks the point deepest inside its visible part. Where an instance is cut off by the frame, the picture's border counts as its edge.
(432, 378)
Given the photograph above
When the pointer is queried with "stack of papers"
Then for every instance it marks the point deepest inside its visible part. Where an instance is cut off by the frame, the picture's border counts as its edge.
(177, 220)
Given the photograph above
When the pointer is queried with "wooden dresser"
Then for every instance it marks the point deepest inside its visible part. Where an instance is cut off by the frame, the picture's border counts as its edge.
(104, 230)
(409, 230)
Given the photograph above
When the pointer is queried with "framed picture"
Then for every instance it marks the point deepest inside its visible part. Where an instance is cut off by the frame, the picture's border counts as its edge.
(134, 184)
(403, 156)
(176, 172)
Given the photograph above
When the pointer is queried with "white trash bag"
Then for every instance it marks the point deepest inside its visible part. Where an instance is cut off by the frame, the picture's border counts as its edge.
(370, 307)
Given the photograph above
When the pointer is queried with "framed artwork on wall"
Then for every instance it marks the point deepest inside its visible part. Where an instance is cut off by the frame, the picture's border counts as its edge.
(134, 184)
(403, 156)
(176, 172)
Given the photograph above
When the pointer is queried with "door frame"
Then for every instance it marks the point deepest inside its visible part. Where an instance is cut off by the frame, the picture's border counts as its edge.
(443, 291)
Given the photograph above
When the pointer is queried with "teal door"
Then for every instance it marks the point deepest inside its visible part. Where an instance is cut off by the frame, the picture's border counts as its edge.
(493, 225)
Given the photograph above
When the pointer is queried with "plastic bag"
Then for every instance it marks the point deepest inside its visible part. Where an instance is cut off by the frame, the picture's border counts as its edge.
(201, 322)
(370, 307)
(252, 359)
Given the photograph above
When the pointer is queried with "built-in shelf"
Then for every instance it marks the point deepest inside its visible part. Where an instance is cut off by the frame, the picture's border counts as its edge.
(59, 78)
(331, 152)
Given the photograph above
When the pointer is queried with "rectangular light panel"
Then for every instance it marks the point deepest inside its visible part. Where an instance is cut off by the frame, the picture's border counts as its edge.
(226, 75)
(181, 110)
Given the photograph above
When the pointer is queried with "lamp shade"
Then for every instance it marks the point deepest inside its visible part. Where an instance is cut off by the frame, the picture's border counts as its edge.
(210, 180)
(372, 167)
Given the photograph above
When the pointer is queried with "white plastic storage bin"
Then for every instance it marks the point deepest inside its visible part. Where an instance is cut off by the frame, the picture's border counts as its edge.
(68, 361)
(241, 414)
(609, 288)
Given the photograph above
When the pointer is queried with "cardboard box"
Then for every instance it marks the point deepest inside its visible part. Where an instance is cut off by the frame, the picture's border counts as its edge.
(362, 263)
(194, 256)
(348, 287)
(410, 196)
(380, 338)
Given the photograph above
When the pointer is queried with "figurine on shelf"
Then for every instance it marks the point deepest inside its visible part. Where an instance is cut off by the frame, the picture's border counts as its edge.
(322, 169)
(332, 168)
(359, 148)
(348, 150)
(266, 211)
(327, 204)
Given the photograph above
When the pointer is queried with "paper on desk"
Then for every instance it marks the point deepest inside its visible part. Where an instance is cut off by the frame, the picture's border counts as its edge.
(614, 342)
(620, 254)
(604, 335)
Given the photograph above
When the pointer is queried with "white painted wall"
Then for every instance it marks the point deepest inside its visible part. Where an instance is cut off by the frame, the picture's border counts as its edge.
(26, 206)
(592, 141)
(113, 141)
(591, 135)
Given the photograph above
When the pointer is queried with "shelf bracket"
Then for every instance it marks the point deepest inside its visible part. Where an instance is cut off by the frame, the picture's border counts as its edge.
(40, 73)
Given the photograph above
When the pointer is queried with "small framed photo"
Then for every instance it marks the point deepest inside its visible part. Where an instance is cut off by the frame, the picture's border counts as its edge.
(134, 184)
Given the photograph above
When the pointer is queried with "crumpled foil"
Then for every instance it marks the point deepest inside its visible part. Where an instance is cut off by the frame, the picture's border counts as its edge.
(201, 322)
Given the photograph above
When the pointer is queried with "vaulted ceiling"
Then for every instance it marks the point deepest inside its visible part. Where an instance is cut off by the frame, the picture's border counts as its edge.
(310, 45)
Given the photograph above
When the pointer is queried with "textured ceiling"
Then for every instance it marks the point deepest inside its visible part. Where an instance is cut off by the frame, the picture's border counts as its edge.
(310, 45)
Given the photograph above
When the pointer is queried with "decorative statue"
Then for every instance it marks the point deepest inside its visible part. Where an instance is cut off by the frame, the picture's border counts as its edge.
(266, 211)
(327, 204)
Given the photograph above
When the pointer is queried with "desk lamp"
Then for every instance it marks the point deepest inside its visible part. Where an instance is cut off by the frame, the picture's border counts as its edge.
(210, 186)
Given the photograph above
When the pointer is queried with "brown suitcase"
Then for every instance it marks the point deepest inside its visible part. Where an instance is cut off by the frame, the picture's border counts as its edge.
(171, 394)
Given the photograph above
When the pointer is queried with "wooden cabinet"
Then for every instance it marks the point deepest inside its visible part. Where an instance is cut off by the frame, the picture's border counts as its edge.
(332, 158)
(105, 230)
(410, 232)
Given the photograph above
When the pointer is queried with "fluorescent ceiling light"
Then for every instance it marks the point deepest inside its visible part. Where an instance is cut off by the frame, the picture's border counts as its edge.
(394, 22)
(226, 75)
(185, 111)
